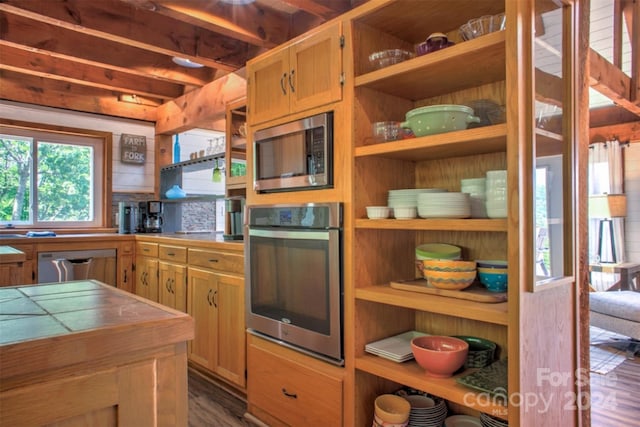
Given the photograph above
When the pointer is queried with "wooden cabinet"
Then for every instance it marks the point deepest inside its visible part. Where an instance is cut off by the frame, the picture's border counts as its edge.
(288, 388)
(298, 76)
(216, 302)
(448, 76)
(29, 272)
(147, 270)
(11, 266)
(236, 149)
(172, 282)
(125, 275)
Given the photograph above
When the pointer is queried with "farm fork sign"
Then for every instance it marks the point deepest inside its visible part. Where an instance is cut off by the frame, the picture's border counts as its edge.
(133, 148)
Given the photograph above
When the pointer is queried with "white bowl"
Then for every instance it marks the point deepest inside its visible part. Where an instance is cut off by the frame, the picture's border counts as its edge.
(405, 212)
(378, 212)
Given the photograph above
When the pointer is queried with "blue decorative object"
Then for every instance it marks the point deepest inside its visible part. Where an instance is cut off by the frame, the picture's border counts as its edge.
(175, 192)
(176, 149)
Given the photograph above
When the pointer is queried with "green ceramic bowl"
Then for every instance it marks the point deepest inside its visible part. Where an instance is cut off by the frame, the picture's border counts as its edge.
(439, 119)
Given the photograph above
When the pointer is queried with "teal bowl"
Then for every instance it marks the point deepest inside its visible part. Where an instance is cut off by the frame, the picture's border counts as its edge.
(494, 282)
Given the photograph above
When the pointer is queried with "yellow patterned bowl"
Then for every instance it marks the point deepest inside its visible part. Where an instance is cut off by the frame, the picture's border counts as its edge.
(448, 265)
(451, 280)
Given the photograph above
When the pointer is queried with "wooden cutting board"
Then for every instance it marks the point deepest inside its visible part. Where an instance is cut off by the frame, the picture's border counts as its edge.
(475, 292)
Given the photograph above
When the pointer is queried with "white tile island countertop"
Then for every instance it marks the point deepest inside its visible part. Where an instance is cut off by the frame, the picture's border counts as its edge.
(85, 352)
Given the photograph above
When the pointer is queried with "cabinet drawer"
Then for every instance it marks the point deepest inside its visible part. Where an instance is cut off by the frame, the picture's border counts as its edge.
(222, 261)
(147, 249)
(172, 253)
(292, 391)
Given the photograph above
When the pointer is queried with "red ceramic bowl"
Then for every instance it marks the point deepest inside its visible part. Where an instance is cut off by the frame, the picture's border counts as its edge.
(440, 356)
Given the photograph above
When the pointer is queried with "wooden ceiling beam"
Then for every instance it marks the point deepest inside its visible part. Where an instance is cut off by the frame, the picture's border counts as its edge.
(325, 10)
(624, 132)
(52, 93)
(86, 49)
(250, 23)
(42, 64)
(109, 20)
(610, 81)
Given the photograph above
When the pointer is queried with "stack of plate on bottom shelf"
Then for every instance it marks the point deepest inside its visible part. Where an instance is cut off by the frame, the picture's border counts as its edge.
(489, 421)
(425, 415)
(444, 205)
(408, 197)
(396, 348)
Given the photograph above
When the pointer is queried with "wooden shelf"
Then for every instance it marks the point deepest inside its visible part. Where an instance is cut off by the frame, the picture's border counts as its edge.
(450, 70)
(235, 182)
(411, 374)
(481, 140)
(491, 313)
(499, 225)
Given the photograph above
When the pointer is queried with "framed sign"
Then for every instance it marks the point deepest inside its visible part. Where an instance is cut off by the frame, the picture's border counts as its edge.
(133, 148)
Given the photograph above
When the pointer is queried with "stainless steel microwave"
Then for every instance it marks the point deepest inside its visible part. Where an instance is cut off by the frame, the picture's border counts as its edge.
(294, 156)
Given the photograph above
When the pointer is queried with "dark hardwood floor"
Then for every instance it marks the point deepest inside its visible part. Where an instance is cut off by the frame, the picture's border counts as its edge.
(615, 398)
(212, 406)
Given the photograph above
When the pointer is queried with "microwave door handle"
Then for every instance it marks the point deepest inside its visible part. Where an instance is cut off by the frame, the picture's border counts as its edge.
(291, 234)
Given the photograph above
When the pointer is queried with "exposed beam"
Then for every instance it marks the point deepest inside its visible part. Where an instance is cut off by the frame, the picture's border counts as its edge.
(204, 105)
(250, 23)
(107, 19)
(611, 81)
(53, 93)
(324, 11)
(90, 50)
(605, 116)
(41, 64)
(622, 132)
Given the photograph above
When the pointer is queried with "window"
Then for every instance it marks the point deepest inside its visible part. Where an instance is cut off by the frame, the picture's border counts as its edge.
(51, 179)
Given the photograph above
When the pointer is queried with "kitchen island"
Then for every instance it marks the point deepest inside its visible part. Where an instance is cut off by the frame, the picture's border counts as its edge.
(84, 353)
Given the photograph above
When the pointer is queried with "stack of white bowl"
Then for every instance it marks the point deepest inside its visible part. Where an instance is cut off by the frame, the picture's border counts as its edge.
(496, 194)
(477, 189)
(407, 197)
(444, 205)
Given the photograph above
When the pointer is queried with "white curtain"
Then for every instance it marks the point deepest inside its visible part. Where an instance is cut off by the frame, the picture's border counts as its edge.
(606, 177)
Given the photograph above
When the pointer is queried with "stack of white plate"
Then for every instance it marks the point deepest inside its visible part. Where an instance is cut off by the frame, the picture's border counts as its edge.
(489, 421)
(444, 205)
(408, 197)
(477, 189)
(426, 411)
(496, 194)
(396, 348)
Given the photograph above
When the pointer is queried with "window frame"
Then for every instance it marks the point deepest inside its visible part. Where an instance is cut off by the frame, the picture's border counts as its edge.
(103, 147)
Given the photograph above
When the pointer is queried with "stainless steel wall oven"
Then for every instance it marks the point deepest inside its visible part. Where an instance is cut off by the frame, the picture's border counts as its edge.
(294, 277)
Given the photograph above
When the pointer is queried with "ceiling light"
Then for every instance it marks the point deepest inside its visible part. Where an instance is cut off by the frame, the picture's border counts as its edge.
(238, 2)
(184, 62)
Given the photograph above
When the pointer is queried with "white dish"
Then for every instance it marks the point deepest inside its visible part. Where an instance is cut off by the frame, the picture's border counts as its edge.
(396, 348)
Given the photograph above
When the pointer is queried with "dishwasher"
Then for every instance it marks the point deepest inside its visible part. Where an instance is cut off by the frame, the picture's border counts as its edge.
(64, 266)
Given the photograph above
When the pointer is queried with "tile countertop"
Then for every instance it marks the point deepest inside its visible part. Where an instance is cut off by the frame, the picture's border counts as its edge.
(11, 255)
(62, 324)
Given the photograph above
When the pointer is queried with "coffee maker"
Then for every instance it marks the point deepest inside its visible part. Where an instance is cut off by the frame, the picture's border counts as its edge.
(234, 207)
(150, 217)
(127, 217)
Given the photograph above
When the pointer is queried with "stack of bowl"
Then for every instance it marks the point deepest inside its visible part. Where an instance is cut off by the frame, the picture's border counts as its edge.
(438, 251)
(408, 197)
(496, 194)
(391, 411)
(493, 275)
(481, 351)
(449, 274)
(477, 189)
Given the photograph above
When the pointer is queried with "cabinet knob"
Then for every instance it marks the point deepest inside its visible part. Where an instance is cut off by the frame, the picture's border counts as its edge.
(213, 260)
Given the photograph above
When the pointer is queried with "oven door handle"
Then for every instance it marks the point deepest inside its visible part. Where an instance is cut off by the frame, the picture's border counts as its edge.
(292, 234)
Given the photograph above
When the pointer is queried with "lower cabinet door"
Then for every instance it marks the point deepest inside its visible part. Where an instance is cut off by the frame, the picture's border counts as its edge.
(200, 306)
(290, 389)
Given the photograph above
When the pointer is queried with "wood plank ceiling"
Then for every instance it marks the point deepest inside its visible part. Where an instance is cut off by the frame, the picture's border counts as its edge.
(114, 57)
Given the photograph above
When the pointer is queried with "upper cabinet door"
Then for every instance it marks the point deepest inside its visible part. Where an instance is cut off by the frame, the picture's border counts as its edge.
(316, 69)
(269, 86)
(296, 77)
